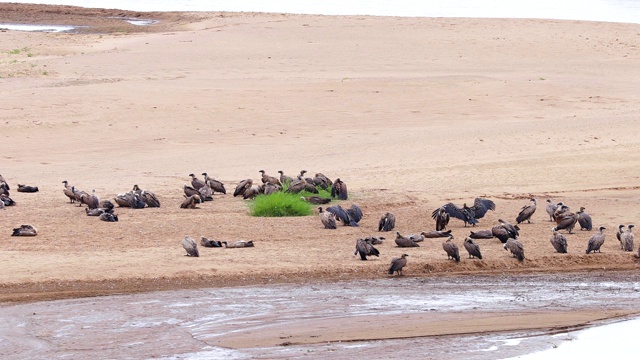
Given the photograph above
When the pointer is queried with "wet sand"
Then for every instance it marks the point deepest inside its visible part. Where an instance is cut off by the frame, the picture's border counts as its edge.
(411, 113)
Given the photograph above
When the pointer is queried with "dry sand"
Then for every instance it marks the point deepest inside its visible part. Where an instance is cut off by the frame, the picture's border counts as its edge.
(411, 113)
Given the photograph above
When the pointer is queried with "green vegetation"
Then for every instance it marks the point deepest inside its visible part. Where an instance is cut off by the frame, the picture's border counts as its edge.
(284, 204)
(18, 51)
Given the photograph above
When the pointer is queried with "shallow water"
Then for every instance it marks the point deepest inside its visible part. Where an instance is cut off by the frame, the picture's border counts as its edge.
(184, 324)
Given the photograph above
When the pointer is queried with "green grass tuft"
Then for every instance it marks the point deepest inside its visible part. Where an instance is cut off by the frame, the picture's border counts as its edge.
(280, 204)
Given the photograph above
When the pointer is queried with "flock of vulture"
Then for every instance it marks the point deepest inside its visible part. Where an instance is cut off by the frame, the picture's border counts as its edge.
(200, 191)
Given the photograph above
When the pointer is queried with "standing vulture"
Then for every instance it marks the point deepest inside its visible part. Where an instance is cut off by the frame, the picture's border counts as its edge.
(195, 182)
(397, 264)
(68, 191)
(551, 209)
(269, 179)
(516, 248)
(559, 242)
(284, 179)
(584, 220)
(596, 241)
(526, 212)
(190, 246)
(451, 249)
(214, 184)
(441, 216)
(619, 235)
(387, 222)
(627, 238)
(328, 219)
(365, 249)
(472, 248)
(469, 215)
(565, 219)
(339, 190)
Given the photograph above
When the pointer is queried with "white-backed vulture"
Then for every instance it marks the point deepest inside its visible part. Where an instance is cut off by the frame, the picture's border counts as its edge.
(316, 200)
(596, 240)
(619, 235)
(242, 187)
(68, 191)
(25, 230)
(215, 185)
(269, 179)
(27, 188)
(195, 182)
(565, 219)
(150, 198)
(190, 246)
(627, 238)
(190, 202)
(397, 264)
(559, 242)
(436, 234)
(238, 244)
(387, 222)
(339, 190)
(284, 179)
(403, 241)
(551, 209)
(365, 249)
(328, 219)
(584, 220)
(451, 249)
(469, 215)
(516, 248)
(472, 248)
(482, 234)
(108, 217)
(442, 217)
(526, 212)
(206, 242)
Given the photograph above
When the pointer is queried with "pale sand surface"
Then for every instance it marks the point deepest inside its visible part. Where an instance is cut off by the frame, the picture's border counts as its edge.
(410, 113)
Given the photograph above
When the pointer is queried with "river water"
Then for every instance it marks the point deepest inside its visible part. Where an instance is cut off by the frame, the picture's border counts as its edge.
(189, 324)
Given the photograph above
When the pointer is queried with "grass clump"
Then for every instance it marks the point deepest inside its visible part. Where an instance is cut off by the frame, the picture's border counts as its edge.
(280, 204)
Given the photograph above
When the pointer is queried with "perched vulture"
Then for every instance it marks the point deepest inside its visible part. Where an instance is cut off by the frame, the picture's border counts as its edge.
(584, 220)
(451, 249)
(469, 215)
(619, 235)
(516, 248)
(365, 249)
(339, 190)
(526, 212)
(551, 209)
(559, 242)
(284, 179)
(68, 191)
(472, 248)
(387, 222)
(397, 264)
(596, 241)
(190, 246)
(269, 179)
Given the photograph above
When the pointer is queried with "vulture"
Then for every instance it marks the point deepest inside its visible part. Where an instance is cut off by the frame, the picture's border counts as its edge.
(416, 237)
(505, 231)
(253, 191)
(270, 188)
(190, 202)
(124, 200)
(242, 187)
(387, 222)
(150, 198)
(209, 243)
(206, 193)
(551, 209)
(1, 204)
(516, 248)
(269, 179)
(436, 234)
(365, 249)
(284, 179)
(565, 219)
(195, 182)
(4, 189)
(584, 220)
(25, 230)
(316, 200)
(403, 241)
(92, 201)
(107, 205)
(135, 202)
(441, 216)
(451, 249)
(214, 184)
(526, 212)
(68, 191)
(619, 235)
(190, 190)
(349, 217)
(6, 200)
(94, 212)
(472, 248)
(627, 238)
(596, 241)
(374, 240)
(297, 185)
(482, 234)
(339, 190)
(27, 188)
(562, 208)
(328, 219)
(559, 242)
(108, 217)
(469, 215)
(321, 180)
(190, 246)
(238, 244)
(4, 183)
(397, 264)
(307, 183)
